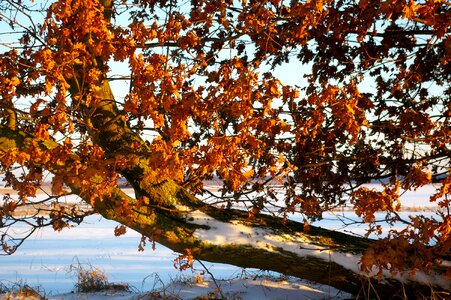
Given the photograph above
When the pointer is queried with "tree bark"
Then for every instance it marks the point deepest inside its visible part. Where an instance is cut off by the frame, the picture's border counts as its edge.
(180, 221)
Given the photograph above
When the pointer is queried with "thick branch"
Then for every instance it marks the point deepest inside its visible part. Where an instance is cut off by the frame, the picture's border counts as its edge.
(172, 218)
(226, 236)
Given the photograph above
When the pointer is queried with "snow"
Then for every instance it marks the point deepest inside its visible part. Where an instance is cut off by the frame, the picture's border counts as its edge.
(45, 259)
(249, 289)
(237, 233)
(257, 289)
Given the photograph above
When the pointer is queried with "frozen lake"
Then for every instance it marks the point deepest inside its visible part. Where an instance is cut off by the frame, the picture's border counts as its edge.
(45, 259)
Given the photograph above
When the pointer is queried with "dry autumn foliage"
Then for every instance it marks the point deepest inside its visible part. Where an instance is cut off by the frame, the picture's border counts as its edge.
(208, 96)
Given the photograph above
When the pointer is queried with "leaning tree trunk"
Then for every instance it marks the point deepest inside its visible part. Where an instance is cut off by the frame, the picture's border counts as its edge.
(180, 221)
(167, 213)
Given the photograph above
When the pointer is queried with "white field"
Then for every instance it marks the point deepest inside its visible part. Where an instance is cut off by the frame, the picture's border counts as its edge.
(45, 260)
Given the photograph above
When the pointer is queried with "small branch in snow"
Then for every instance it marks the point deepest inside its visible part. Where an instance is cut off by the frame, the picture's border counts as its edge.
(212, 278)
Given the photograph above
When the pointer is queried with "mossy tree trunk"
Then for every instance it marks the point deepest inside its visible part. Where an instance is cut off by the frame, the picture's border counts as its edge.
(175, 218)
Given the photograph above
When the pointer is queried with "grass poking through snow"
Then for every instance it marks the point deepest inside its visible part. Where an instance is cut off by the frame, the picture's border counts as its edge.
(92, 279)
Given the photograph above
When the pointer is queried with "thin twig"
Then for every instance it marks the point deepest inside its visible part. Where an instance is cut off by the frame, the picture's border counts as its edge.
(213, 278)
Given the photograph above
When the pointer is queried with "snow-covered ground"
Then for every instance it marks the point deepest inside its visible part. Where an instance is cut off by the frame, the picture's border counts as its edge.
(50, 260)
(248, 289)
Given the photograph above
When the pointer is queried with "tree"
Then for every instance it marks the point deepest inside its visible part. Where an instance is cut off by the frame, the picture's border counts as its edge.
(371, 102)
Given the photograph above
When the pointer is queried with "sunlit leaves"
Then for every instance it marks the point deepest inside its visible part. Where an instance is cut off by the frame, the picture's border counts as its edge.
(120, 230)
(184, 261)
(57, 185)
(367, 202)
(417, 178)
